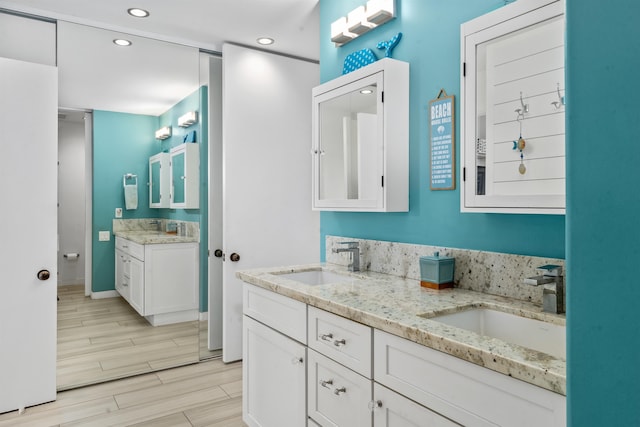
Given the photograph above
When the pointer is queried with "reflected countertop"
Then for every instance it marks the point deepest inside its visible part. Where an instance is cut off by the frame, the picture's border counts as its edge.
(393, 304)
(154, 237)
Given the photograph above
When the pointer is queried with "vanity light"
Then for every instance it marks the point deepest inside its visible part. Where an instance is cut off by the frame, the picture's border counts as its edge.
(137, 12)
(188, 119)
(265, 41)
(362, 19)
(122, 42)
(163, 132)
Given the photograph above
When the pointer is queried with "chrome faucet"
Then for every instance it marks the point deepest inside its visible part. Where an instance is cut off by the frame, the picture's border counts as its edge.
(354, 249)
(553, 294)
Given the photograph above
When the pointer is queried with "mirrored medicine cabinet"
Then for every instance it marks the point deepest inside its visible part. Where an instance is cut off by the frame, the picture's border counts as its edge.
(513, 110)
(360, 149)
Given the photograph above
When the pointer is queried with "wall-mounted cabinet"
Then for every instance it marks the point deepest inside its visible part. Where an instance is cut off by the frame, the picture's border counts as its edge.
(185, 176)
(159, 181)
(360, 149)
(513, 113)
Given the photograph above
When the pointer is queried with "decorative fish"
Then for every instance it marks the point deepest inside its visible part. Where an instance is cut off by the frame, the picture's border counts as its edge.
(388, 46)
(358, 59)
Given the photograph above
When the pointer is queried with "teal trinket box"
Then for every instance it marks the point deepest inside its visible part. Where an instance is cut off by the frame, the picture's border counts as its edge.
(436, 272)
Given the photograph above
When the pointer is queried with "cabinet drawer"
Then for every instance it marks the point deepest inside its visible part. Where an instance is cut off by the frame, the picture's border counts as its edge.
(394, 410)
(336, 396)
(462, 391)
(283, 314)
(343, 340)
(131, 248)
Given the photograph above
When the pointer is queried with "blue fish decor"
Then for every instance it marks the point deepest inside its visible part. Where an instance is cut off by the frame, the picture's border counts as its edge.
(364, 57)
(358, 59)
(388, 46)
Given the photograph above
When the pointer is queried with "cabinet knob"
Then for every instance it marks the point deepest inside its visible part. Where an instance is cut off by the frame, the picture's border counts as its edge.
(339, 343)
(339, 390)
(297, 360)
(217, 253)
(43, 275)
(375, 404)
(234, 257)
(326, 337)
(326, 383)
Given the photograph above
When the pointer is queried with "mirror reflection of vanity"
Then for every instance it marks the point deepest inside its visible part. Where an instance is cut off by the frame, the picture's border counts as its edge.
(513, 112)
(360, 147)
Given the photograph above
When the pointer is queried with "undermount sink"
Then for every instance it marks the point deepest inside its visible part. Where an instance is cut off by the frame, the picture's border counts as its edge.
(316, 277)
(530, 333)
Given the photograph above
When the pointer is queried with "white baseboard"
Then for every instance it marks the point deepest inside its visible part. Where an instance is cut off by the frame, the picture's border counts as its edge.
(104, 294)
(204, 316)
(172, 317)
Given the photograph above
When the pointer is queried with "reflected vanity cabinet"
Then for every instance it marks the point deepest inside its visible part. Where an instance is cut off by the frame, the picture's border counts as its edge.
(512, 109)
(185, 176)
(159, 181)
(360, 148)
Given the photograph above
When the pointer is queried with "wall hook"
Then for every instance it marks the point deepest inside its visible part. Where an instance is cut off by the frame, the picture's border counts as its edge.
(525, 107)
(560, 102)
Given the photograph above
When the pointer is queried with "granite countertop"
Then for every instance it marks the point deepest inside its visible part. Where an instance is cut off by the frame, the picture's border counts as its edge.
(147, 237)
(392, 304)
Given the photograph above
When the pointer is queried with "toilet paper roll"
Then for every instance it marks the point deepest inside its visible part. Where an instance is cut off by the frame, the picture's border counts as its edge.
(72, 255)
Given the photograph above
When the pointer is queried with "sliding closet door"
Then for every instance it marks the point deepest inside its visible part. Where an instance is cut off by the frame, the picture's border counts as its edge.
(29, 124)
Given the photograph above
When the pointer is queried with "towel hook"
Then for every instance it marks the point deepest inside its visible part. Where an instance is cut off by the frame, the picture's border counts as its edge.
(525, 107)
(560, 102)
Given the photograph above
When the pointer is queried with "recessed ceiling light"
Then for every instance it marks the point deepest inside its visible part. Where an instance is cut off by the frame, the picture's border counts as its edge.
(138, 13)
(265, 41)
(122, 42)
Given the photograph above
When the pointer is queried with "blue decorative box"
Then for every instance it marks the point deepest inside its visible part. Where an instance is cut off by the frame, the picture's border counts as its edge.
(436, 272)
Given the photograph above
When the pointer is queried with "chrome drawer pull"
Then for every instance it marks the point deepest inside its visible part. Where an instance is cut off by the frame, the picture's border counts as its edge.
(339, 390)
(326, 337)
(338, 343)
(326, 384)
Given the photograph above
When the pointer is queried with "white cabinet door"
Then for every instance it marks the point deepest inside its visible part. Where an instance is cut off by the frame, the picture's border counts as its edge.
(28, 119)
(273, 378)
(136, 284)
(394, 410)
(337, 396)
(185, 176)
(121, 260)
(159, 181)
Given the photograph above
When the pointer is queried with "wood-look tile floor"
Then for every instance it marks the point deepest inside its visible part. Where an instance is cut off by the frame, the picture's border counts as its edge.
(105, 339)
(204, 394)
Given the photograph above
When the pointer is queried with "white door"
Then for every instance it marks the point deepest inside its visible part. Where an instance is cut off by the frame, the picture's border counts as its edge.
(29, 141)
(267, 213)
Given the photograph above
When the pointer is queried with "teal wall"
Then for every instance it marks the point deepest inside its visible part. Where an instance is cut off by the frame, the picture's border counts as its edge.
(123, 143)
(603, 58)
(431, 44)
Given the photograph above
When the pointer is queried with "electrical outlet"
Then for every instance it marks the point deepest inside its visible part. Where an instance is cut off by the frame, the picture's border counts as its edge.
(118, 212)
(104, 236)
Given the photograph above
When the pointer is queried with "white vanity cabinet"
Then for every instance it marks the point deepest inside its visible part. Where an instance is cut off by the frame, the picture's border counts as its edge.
(274, 359)
(462, 391)
(160, 281)
(159, 181)
(360, 150)
(185, 176)
(512, 110)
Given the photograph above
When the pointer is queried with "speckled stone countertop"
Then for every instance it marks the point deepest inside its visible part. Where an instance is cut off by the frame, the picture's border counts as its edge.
(392, 304)
(154, 237)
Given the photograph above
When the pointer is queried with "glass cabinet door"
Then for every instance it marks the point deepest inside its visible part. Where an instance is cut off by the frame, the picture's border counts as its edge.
(159, 181)
(185, 176)
(178, 177)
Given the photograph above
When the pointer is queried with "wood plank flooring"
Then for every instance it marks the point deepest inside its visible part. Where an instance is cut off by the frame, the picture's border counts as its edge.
(105, 339)
(204, 394)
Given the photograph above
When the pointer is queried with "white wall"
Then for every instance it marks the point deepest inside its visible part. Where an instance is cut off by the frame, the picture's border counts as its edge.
(71, 201)
(27, 39)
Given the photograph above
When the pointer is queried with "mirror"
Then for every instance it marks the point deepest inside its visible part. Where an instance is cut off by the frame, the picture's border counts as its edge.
(348, 140)
(132, 88)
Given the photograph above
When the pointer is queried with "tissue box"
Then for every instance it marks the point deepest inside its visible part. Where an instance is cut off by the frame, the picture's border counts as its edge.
(436, 272)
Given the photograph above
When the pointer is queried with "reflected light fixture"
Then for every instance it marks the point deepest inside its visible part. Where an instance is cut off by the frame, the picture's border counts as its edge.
(137, 12)
(188, 119)
(163, 132)
(122, 42)
(366, 91)
(265, 41)
(361, 20)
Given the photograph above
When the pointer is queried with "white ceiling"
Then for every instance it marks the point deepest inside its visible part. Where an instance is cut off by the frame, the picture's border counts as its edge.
(150, 76)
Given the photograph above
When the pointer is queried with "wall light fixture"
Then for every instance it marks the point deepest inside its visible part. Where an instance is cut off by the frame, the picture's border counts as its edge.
(163, 132)
(188, 119)
(361, 20)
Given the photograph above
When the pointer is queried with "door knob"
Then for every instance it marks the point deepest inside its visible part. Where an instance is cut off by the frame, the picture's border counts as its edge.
(217, 253)
(43, 275)
(234, 257)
